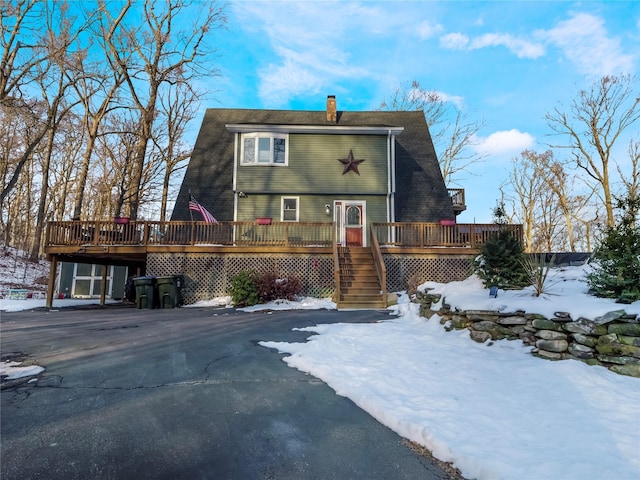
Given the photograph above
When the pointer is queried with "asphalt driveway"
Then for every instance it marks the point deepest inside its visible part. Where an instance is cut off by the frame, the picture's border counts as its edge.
(183, 394)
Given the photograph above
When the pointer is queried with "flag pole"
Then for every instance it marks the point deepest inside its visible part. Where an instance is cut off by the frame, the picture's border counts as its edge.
(190, 212)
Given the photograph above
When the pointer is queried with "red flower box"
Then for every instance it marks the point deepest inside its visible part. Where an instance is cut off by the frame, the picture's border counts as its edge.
(263, 221)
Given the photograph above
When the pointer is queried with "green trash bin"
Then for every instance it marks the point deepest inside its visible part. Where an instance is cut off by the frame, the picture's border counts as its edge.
(169, 291)
(145, 292)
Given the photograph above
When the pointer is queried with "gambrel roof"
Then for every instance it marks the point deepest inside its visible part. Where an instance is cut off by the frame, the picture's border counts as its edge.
(421, 195)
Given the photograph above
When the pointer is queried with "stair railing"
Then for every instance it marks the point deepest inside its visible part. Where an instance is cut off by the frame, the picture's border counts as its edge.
(336, 267)
(378, 261)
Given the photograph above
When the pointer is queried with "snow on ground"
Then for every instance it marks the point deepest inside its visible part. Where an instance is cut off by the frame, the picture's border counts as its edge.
(495, 412)
(565, 290)
(18, 272)
(8, 305)
(13, 370)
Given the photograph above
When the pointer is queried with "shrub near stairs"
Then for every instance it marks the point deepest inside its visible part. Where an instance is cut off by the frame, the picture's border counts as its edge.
(250, 288)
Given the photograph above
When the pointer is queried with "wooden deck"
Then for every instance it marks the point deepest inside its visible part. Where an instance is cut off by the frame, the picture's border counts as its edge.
(120, 242)
(131, 241)
(128, 243)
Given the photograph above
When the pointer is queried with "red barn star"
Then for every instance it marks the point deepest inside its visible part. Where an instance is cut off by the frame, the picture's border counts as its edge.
(350, 163)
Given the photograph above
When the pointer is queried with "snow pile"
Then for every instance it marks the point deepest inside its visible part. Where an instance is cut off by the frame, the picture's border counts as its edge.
(13, 370)
(566, 290)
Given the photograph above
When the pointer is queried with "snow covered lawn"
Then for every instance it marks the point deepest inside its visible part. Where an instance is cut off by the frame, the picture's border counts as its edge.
(495, 412)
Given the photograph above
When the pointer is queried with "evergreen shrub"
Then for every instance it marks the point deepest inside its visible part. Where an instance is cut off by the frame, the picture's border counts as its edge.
(616, 261)
(244, 288)
(501, 260)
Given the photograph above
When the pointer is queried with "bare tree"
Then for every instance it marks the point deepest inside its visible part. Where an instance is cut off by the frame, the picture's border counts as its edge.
(596, 120)
(18, 58)
(178, 107)
(456, 142)
(153, 52)
(97, 86)
(527, 186)
(53, 83)
(409, 98)
(23, 63)
(452, 132)
(631, 182)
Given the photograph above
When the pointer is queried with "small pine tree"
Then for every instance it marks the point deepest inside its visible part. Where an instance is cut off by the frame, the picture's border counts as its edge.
(616, 261)
(244, 288)
(501, 259)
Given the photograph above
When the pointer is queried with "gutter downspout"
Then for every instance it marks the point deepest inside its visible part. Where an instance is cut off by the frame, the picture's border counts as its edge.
(235, 176)
(389, 178)
(393, 178)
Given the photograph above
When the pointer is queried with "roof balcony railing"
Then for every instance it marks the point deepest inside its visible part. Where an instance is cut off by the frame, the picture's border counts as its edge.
(457, 199)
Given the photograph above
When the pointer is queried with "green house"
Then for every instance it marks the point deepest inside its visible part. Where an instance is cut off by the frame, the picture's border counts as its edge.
(350, 168)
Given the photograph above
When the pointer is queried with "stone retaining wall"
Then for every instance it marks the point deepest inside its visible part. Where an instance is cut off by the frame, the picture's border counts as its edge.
(612, 340)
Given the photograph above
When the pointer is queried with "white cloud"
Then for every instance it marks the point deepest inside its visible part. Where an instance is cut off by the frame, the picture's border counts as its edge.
(585, 41)
(504, 142)
(457, 100)
(286, 80)
(427, 29)
(313, 42)
(455, 41)
(522, 48)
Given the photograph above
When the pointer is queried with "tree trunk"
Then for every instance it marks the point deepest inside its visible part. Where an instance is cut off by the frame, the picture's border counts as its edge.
(44, 191)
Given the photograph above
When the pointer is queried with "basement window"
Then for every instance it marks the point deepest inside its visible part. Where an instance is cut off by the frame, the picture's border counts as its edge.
(264, 149)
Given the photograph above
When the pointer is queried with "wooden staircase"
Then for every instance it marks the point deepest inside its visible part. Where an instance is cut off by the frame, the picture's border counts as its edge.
(359, 283)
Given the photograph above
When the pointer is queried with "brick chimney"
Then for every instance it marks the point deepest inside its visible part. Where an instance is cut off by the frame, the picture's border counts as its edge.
(332, 116)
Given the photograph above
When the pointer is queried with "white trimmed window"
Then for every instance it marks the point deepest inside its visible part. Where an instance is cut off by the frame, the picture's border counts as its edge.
(264, 148)
(290, 210)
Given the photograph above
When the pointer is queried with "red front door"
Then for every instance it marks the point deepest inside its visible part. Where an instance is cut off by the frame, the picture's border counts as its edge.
(353, 225)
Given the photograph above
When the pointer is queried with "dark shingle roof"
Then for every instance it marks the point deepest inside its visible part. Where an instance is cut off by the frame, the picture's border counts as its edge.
(421, 195)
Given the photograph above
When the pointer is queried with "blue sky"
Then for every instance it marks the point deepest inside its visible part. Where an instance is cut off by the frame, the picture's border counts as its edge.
(505, 63)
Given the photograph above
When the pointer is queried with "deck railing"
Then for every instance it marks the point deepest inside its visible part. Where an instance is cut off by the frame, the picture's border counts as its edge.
(277, 234)
(105, 233)
(424, 235)
(457, 196)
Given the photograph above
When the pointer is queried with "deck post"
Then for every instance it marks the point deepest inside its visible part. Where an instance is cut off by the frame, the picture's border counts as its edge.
(103, 284)
(53, 268)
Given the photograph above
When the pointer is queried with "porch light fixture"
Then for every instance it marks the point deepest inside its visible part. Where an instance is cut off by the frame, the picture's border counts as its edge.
(242, 195)
(327, 209)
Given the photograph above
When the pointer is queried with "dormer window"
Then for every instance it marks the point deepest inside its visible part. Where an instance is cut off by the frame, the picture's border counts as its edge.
(264, 148)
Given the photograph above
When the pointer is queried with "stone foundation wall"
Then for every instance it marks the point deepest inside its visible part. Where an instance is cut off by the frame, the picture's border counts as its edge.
(612, 340)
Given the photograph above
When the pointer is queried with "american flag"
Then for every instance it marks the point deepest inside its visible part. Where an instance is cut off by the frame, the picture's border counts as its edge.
(206, 215)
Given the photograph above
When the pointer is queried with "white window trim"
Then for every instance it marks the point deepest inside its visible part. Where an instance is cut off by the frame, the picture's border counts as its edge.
(282, 199)
(92, 278)
(270, 136)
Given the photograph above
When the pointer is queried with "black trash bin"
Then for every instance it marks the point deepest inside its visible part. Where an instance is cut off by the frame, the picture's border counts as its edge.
(169, 291)
(145, 292)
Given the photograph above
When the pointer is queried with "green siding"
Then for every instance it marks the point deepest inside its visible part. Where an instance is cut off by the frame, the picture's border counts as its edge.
(311, 207)
(314, 167)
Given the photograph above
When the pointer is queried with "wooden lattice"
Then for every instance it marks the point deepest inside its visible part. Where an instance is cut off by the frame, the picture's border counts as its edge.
(412, 270)
(207, 275)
